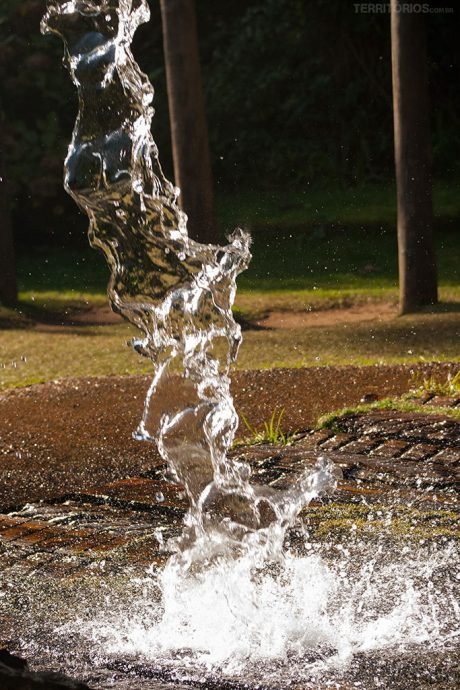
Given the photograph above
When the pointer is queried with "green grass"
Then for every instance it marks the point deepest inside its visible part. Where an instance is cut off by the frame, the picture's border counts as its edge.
(52, 353)
(288, 273)
(423, 387)
(320, 242)
(318, 206)
(359, 259)
(74, 274)
(312, 250)
(332, 419)
(45, 354)
(335, 239)
(402, 340)
(271, 431)
(410, 402)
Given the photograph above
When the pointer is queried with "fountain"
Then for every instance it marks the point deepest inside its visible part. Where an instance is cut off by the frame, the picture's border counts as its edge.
(178, 292)
(247, 597)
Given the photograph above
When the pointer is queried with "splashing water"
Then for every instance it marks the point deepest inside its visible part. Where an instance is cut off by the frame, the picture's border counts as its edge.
(316, 611)
(177, 291)
(229, 594)
(366, 615)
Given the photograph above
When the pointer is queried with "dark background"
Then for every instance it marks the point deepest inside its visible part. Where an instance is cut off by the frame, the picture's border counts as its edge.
(298, 94)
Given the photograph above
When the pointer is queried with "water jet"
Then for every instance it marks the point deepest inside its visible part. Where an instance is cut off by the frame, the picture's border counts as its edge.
(241, 594)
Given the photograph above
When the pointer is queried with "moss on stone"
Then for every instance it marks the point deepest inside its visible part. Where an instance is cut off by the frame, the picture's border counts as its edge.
(336, 520)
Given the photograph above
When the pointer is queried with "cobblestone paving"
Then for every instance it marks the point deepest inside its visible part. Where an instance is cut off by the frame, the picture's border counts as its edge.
(413, 458)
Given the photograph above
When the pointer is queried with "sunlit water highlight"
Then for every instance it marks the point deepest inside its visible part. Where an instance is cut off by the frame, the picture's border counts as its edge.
(177, 291)
(230, 599)
(234, 615)
(329, 612)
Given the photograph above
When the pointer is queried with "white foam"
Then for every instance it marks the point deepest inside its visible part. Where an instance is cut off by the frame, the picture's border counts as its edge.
(235, 615)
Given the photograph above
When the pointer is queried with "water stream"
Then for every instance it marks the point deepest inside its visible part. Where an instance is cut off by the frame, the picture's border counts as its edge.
(178, 292)
(230, 596)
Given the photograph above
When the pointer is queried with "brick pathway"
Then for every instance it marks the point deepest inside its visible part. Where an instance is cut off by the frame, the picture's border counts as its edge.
(410, 458)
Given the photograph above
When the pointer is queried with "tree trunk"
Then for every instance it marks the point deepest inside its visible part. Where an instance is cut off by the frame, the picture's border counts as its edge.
(8, 287)
(189, 131)
(417, 262)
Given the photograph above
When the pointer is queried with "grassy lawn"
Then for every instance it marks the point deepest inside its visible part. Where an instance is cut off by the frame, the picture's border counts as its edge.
(312, 251)
(46, 353)
(420, 338)
(35, 356)
(315, 207)
(327, 243)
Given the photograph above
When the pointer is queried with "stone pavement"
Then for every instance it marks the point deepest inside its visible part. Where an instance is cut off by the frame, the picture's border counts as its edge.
(78, 432)
(414, 459)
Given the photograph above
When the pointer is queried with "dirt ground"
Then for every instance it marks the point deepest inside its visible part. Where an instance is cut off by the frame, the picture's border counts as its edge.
(329, 317)
(274, 318)
(62, 436)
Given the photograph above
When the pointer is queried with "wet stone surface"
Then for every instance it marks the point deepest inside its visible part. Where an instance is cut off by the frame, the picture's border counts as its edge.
(403, 458)
(408, 465)
(67, 435)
